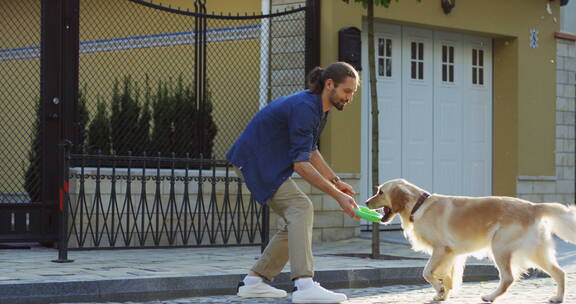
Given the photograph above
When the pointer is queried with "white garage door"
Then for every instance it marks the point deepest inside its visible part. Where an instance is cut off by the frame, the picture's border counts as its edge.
(435, 102)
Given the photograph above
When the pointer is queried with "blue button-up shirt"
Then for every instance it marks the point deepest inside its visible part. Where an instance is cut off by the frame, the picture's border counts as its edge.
(283, 132)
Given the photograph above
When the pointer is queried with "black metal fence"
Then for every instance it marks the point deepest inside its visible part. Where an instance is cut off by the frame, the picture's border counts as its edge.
(159, 202)
(157, 79)
(128, 78)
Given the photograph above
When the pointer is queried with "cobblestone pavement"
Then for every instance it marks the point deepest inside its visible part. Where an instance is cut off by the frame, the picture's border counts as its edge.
(526, 291)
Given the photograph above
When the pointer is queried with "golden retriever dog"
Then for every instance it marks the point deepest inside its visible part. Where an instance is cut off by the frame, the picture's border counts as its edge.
(515, 233)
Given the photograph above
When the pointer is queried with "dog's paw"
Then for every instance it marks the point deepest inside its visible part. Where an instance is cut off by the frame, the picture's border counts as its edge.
(438, 298)
(488, 298)
(556, 299)
(442, 295)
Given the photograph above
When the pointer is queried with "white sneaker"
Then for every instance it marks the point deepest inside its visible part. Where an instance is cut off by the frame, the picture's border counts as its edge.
(259, 290)
(317, 294)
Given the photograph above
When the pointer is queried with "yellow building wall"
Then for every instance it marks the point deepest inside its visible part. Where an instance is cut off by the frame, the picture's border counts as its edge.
(505, 117)
(19, 89)
(231, 64)
(524, 78)
(111, 19)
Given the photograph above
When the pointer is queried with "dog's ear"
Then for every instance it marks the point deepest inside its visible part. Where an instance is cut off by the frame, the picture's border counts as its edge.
(398, 198)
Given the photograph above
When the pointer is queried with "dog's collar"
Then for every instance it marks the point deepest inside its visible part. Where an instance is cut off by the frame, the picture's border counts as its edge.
(419, 203)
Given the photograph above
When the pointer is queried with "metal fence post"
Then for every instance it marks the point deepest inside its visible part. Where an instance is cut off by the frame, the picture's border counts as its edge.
(59, 88)
(312, 58)
(50, 100)
(64, 201)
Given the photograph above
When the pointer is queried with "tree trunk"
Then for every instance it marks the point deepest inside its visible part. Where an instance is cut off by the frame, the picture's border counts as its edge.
(374, 108)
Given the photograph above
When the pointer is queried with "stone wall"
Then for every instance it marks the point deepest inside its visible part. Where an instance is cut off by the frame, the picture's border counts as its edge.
(559, 188)
(330, 222)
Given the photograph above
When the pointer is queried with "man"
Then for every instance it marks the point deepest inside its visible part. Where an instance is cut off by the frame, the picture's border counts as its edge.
(280, 139)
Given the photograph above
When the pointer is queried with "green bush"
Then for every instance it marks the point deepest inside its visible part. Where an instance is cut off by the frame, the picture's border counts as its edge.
(142, 135)
(83, 118)
(162, 120)
(209, 132)
(125, 110)
(99, 130)
(178, 125)
(33, 173)
(166, 121)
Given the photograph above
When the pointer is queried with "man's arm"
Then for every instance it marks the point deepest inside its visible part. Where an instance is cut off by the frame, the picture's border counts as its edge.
(320, 164)
(311, 175)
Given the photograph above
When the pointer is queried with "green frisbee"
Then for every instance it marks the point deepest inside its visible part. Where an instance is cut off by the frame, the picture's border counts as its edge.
(368, 214)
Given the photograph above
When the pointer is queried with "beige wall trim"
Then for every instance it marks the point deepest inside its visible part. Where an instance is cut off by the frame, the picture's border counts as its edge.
(565, 36)
(536, 178)
(139, 42)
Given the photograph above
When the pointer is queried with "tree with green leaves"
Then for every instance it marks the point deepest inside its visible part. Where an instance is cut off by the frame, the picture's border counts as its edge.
(125, 111)
(208, 126)
(142, 135)
(179, 124)
(83, 118)
(162, 118)
(99, 130)
(183, 124)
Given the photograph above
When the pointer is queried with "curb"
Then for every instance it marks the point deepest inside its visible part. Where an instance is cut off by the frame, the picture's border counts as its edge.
(166, 288)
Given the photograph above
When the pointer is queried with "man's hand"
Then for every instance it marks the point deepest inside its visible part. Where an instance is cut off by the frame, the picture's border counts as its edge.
(344, 187)
(339, 191)
(347, 204)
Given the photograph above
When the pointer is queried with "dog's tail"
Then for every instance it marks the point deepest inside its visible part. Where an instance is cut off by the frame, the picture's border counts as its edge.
(562, 220)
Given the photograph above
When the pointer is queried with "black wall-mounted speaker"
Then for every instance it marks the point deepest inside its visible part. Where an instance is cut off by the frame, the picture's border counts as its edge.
(350, 47)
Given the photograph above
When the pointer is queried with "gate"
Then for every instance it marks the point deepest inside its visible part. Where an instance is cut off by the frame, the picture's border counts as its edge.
(132, 83)
(24, 215)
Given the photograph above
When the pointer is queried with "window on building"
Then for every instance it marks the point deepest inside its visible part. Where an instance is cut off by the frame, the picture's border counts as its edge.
(417, 60)
(477, 67)
(384, 57)
(447, 64)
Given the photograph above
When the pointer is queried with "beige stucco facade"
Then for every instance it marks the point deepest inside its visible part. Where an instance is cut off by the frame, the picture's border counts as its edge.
(524, 78)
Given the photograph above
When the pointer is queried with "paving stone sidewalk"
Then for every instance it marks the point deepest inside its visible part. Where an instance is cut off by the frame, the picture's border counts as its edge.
(28, 275)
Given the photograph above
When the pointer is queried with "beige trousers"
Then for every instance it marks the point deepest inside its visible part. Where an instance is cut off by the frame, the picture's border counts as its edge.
(294, 241)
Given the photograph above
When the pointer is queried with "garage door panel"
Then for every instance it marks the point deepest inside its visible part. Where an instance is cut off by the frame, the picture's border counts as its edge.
(417, 106)
(448, 121)
(447, 177)
(413, 172)
(435, 99)
(478, 180)
(389, 75)
(477, 124)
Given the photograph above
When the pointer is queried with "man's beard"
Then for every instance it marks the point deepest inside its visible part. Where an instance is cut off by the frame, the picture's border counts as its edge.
(334, 101)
